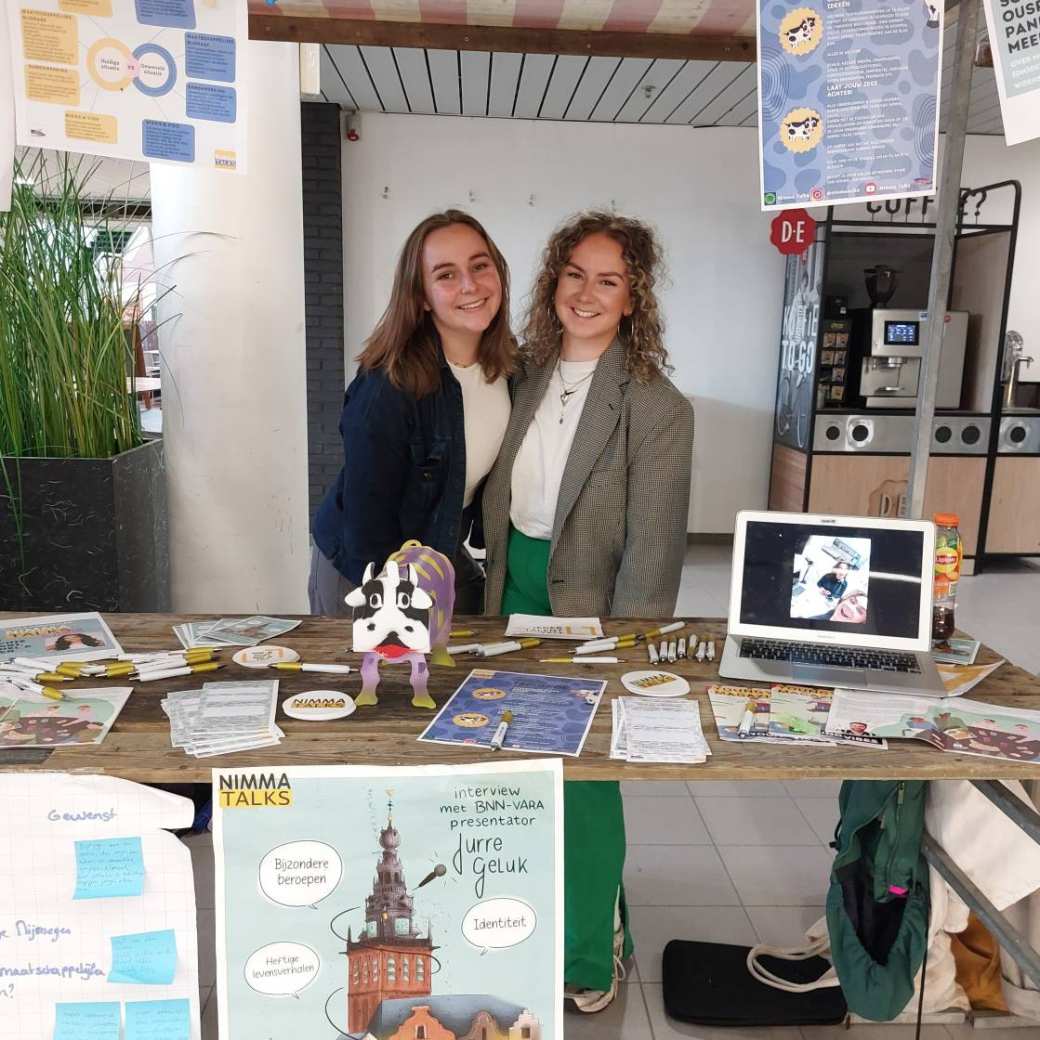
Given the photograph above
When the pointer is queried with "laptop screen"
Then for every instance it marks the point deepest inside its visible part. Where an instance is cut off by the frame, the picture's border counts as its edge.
(852, 581)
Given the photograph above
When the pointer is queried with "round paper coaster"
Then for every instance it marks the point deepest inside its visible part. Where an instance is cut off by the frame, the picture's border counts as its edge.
(655, 683)
(318, 705)
(264, 656)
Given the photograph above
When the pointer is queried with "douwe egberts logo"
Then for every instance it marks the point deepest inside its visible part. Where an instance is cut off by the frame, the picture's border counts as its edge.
(255, 791)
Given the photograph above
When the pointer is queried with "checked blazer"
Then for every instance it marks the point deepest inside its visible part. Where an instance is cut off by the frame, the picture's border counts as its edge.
(619, 534)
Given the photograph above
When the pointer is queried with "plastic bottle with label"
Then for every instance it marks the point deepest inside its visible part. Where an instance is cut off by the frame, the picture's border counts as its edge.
(949, 551)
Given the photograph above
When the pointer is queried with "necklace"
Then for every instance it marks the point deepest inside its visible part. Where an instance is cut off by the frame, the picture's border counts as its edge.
(568, 391)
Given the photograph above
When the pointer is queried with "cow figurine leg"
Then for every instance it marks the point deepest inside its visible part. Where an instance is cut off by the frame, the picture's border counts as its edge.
(369, 680)
(420, 673)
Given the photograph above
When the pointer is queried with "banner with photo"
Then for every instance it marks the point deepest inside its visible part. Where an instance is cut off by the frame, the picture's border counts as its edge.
(419, 901)
(848, 100)
(1014, 37)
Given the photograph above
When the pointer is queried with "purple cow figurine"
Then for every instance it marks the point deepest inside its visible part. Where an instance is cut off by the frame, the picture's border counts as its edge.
(401, 615)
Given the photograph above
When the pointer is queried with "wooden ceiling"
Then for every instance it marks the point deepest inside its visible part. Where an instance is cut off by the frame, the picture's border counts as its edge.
(595, 88)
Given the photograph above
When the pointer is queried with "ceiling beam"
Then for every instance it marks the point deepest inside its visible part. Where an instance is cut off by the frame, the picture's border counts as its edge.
(502, 39)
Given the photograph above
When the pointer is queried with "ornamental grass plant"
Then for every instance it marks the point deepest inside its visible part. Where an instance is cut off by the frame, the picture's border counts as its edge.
(64, 354)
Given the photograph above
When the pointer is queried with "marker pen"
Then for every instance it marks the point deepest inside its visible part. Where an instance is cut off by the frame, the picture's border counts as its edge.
(299, 666)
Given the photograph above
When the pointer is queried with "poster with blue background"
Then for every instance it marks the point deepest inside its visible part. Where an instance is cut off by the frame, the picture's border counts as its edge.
(358, 903)
(848, 98)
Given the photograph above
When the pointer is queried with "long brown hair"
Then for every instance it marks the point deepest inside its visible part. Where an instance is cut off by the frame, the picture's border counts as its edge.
(405, 343)
(643, 333)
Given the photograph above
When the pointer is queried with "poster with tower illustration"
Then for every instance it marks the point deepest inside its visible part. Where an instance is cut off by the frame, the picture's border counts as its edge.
(423, 902)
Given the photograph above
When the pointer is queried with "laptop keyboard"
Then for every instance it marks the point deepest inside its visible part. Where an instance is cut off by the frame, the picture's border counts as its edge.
(830, 656)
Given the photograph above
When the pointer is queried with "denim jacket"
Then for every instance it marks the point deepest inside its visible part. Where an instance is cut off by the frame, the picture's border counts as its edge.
(404, 474)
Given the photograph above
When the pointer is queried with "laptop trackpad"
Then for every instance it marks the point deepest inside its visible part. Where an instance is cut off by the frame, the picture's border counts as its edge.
(854, 678)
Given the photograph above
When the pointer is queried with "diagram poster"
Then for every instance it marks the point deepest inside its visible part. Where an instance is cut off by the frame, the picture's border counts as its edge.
(424, 901)
(1014, 35)
(152, 80)
(848, 100)
(97, 911)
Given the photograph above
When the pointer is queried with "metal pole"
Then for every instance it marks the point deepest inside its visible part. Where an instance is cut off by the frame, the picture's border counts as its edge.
(1011, 806)
(1009, 937)
(942, 255)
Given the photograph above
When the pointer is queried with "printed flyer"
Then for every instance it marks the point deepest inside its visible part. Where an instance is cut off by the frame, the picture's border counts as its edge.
(152, 80)
(848, 100)
(424, 901)
(1014, 36)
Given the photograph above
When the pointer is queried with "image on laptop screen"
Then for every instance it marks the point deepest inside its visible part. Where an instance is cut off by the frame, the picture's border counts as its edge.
(828, 578)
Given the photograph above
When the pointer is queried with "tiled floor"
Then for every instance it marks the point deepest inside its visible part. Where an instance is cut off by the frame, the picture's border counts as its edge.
(728, 861)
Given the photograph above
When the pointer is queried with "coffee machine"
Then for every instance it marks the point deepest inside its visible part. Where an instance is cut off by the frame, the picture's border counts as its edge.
(891, 367)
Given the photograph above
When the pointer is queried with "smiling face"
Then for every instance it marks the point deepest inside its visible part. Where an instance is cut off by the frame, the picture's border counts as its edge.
(592, 296)
(461, 284)
(852, 609)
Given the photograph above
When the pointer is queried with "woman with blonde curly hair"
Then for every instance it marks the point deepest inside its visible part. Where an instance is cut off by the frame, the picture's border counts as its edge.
(585, 512)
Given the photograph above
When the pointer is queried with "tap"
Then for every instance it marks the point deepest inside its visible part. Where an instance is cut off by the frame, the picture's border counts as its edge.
(1014, 356)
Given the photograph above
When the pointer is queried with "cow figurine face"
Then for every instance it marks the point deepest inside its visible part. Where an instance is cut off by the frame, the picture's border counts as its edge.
(391, 613)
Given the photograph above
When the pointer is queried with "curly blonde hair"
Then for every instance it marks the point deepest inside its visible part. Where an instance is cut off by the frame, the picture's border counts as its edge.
(643, 333)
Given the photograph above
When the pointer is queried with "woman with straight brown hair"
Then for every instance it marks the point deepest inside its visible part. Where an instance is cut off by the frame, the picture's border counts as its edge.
(424, 418)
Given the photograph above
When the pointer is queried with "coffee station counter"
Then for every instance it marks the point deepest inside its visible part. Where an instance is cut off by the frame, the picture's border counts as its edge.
(851, 352)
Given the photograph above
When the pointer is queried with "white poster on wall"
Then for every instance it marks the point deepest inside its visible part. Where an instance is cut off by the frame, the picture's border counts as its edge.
(152, 80)
(6, 121)
(1014, 37)
(97, 911)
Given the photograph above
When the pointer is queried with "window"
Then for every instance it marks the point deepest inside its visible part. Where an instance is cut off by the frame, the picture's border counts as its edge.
(375, 969)
(364, 972)
(357, 973)
(391, 969)
(420, 968)
(483, 1033)
(420, 1033)
(525, 1032)
(405, 969)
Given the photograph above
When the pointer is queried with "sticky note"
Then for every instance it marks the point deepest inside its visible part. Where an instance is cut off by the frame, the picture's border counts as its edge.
(50, 37)
(209, 57)
(51, 85)
(208, 101)
(91, 126)
(174, 14)
(101, 8)
(107, 868)
(144, 958)
(86, 1021)
(158, 1020)
(162, 140)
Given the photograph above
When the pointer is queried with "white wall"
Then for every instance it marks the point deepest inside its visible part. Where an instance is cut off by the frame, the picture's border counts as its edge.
(521, 178)
(699, 187)
(987, 160)
(234, 374)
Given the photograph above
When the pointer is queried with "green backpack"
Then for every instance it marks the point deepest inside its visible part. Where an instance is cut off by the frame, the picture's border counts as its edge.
(878, 902)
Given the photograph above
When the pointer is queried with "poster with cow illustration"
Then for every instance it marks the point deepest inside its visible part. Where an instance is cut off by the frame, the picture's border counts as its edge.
(848, 100)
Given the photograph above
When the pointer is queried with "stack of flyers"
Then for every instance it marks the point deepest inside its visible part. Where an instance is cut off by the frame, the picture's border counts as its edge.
(223, 717)
(657, 731)
(232, 631)
(956, 651)
(58, 637)
(782, 715)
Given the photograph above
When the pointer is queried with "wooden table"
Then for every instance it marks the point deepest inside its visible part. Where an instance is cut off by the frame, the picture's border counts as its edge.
(138, 746)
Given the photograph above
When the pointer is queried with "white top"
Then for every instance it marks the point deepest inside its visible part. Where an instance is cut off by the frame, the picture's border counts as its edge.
(542, 458)
(485, 409)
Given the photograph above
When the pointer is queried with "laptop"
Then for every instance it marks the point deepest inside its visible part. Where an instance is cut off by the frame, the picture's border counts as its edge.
(832, 601)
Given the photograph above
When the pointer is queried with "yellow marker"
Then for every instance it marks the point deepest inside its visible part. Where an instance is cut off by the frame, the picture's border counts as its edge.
(121, 669)
(663, 630)
(459, 633)
(53, 694)
(51, 677)
(300, 666)
(73, 669)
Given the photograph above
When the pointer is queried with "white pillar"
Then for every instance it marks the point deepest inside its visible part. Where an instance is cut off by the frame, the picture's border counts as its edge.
(234, 366)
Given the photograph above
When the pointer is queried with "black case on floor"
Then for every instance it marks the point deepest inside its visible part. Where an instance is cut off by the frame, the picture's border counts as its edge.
(709, 984)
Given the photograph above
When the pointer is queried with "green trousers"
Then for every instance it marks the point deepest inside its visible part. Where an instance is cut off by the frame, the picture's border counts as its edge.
(593, 818)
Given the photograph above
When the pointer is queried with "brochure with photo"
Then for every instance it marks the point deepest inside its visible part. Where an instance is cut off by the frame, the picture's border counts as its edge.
(54, 637)
(956, 651)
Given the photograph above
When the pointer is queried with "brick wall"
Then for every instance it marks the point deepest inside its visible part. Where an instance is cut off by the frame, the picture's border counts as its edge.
(323, 277)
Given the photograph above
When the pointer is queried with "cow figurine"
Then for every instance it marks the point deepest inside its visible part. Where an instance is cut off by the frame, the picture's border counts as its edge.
(400, 615)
